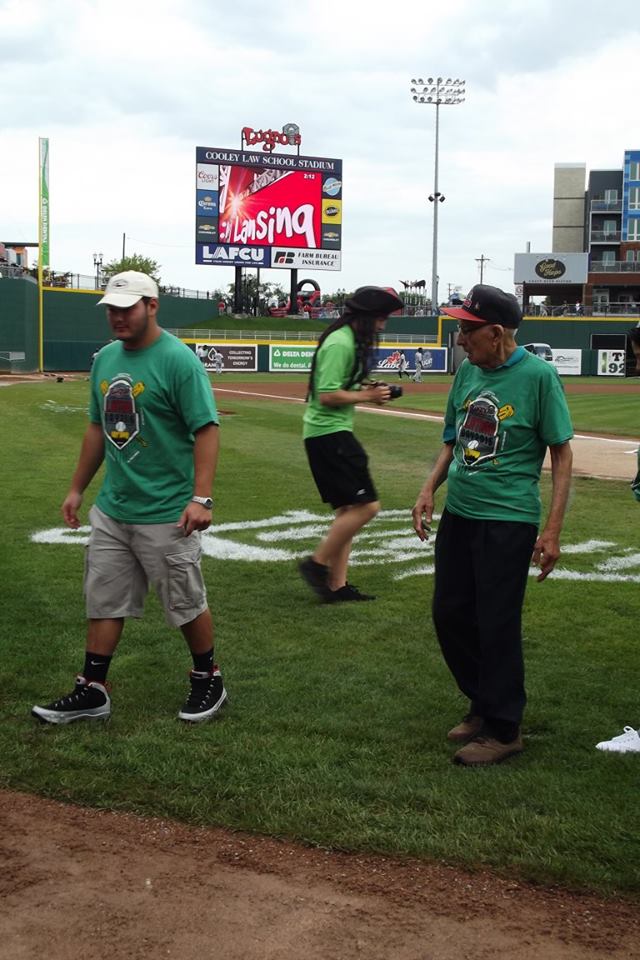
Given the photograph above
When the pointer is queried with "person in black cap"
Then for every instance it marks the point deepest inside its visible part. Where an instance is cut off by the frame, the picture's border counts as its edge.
(341, 364)
(505, 407)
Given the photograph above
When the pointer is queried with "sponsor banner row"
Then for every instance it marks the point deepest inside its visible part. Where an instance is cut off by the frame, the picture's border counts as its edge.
(284, 258)
(218, 357)
(299, 358)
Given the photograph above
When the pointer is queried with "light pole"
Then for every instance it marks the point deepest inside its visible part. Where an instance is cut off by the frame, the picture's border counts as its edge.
(97, 263)
(436, 91)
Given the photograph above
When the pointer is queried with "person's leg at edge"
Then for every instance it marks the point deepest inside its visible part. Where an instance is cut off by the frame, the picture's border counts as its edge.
(335, 549)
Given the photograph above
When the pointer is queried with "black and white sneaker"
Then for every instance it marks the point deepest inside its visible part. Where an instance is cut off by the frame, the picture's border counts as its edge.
(89, 700)
(206, 698)
(347, 594)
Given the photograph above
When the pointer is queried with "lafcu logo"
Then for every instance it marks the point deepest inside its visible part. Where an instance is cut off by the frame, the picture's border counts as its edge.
(230, 254)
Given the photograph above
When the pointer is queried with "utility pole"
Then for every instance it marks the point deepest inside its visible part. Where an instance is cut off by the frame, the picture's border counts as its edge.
(482, 260)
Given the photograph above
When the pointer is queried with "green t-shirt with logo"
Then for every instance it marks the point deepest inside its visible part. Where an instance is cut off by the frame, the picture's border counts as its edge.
(501, 422)
(149, 402)
(334, 363)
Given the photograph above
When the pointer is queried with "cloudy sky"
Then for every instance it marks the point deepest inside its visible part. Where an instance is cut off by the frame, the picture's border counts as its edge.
(125, 91)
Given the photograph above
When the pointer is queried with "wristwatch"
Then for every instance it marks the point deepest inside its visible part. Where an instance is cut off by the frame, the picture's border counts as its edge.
(205, 502)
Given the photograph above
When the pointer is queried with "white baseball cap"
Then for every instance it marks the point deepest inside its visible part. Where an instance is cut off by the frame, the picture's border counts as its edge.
(125, 289)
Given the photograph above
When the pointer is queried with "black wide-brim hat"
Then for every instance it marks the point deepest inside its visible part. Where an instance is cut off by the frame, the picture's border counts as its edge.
(378, 301)
(485, 304)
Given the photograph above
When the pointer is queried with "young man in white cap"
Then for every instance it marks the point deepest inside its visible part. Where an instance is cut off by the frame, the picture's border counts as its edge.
(505, 408)
(153, 421)
(341, 364)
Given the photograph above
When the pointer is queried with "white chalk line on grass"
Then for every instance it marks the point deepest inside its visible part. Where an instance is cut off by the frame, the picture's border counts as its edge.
(389, 413)
(388, 540)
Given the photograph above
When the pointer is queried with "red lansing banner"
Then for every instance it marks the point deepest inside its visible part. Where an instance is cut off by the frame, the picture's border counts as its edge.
(270, 208)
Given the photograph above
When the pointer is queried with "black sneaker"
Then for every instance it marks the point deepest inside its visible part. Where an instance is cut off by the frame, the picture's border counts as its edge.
(89, 700)
(206, 698)
(347, 593)
(316, 575)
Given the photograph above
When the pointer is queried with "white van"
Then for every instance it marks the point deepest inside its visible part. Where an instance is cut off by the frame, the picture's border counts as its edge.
(542, 350)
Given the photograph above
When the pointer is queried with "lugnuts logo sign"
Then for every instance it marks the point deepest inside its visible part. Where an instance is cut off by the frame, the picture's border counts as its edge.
(288, 136)
(550, 269)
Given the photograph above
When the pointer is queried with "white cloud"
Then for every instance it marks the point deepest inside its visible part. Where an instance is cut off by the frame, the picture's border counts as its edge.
(125, 91)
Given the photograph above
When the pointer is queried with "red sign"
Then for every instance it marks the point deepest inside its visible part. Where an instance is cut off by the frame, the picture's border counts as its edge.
(288, 136)
(270, 207)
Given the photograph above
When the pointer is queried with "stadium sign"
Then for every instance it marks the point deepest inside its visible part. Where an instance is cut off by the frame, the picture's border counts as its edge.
(252, 206)
(543, 268)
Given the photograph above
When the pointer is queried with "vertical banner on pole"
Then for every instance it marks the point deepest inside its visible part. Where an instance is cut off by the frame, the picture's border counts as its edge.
(43, 236)
(44, 202)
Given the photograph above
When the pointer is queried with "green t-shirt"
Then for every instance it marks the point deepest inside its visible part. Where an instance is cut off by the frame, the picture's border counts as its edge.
(334, 363)
(501, 422)
(149, 403)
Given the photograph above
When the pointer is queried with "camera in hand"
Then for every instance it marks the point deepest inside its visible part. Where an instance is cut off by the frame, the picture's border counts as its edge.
(395, 390)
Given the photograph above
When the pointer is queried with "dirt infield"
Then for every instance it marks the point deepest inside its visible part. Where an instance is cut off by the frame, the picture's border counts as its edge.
(75, 881)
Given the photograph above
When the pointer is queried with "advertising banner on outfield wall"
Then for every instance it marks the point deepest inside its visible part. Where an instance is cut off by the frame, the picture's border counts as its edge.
(611, 363)
(434, 359)
(290, 358)
(218, 357)
(568, 363)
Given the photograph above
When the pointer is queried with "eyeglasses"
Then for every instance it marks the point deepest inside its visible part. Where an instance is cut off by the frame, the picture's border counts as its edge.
(465, 330)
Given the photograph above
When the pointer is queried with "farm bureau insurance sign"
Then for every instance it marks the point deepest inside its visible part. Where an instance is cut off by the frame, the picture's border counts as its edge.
(390, 541)
(267, 210)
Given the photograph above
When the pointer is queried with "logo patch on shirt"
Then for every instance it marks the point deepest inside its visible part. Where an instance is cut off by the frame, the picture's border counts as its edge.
(478, 433)
(121, 418)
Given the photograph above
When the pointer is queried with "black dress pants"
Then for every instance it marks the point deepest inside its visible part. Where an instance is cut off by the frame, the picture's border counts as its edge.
(481, 574)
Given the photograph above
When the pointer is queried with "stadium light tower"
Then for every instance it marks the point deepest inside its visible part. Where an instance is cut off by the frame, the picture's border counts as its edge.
(436, 91)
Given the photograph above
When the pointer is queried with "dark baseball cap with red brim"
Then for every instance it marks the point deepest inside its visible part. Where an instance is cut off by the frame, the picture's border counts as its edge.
(485, 304)
(379, 301)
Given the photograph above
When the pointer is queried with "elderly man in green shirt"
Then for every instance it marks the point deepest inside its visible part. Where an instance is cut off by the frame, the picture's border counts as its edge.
(505, 408)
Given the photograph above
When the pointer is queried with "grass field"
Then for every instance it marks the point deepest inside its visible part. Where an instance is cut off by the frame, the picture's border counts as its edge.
(335, 730)
(596, 412)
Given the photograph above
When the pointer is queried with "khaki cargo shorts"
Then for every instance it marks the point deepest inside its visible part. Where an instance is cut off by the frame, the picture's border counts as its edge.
(124, 559)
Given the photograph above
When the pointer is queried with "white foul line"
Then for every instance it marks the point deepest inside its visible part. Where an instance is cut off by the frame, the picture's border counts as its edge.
(388, 413)
(403, 413)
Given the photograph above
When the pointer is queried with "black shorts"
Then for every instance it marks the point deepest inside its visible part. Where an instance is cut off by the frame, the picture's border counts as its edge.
(339, 465)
